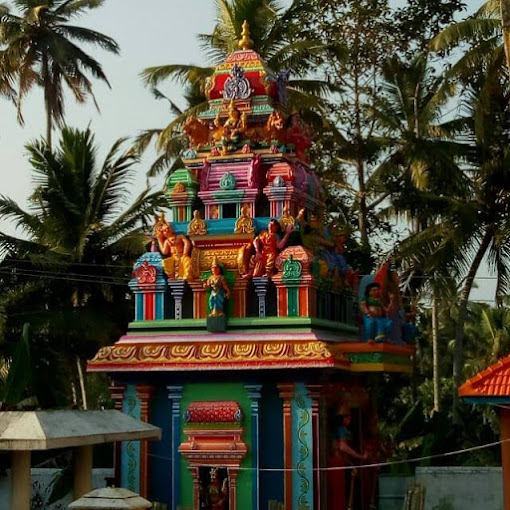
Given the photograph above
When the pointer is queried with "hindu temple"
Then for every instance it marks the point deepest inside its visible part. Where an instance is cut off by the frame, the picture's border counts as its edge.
(246, 348)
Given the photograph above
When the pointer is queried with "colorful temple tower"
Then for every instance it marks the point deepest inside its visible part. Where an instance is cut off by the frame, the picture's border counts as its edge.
(245, 348)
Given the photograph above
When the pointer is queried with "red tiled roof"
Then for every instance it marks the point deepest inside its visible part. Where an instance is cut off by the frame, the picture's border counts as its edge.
(491, 382)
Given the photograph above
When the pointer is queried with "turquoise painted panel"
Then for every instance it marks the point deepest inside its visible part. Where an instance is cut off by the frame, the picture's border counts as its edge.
(139, 306)
(130, 450)
(302, 449)
(222, 226)
(160, 306)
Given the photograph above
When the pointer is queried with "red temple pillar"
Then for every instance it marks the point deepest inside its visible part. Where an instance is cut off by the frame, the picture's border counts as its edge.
(505, 454)
(144, 393)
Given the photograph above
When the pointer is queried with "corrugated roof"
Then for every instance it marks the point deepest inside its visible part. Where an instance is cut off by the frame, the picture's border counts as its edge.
(494, 381)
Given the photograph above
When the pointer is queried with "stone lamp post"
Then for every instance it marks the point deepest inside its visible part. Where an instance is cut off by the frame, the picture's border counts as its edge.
(110, 498)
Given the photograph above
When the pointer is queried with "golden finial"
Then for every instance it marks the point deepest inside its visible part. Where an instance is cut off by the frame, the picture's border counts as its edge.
(245, 43)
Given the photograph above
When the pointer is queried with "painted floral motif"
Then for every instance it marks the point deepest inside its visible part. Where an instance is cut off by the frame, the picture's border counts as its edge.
(146, 273)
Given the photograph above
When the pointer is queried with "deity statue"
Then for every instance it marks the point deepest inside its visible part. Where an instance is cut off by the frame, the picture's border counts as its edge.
(244, 225)
(275, 127)
(267, 246)
(343, 454)
(219, 290)
(175, 248)
(196, 130)
(234, 126)
(299, 136)
(376, 324)
(215, 212)
(286, 219)
(197, 226)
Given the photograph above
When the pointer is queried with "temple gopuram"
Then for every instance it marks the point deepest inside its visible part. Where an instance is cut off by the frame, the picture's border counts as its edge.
(246, 347)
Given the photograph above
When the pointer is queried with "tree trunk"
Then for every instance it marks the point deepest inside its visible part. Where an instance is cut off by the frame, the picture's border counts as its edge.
(360, 168)
(435, 356)
(505, 22)
(47, 100)
(458, 352)
(82, 383)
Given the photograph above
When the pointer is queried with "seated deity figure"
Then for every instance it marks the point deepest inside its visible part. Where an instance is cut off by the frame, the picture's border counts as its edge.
(235, 125)
(244, 224)
(219, 290)
(175, 248)
(376, 324)
(267, 246)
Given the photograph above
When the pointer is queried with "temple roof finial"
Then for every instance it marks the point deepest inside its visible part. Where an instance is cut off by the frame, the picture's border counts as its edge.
(245, 43)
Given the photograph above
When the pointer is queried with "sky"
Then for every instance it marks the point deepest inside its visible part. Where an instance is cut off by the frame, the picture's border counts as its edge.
(155, 32)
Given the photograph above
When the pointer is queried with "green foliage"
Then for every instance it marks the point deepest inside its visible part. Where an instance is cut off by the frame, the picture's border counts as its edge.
(38, 47)
(20, 370)
(67, 275)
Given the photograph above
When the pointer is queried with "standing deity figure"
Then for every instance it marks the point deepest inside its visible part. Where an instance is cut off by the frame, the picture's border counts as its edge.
(267, 246)
(244, 225)
(219, 290)
(176, 250)
(376, 324)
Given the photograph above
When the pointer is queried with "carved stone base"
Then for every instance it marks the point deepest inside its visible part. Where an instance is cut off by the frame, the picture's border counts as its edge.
(217, 324)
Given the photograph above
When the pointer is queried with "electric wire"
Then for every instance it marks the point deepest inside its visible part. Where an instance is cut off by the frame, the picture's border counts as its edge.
(368, 466)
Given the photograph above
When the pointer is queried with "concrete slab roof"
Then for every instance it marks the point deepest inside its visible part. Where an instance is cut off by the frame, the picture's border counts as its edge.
(47, 430)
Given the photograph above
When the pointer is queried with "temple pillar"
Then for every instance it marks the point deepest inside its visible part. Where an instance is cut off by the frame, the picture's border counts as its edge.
(286, 394)
(303, 486)
(130, 470)
(199, 308)
(177, 289)
(149, 287)
(239, 297)
(254, 393)
(175, 396)
(505, 454)
(260, 283)
(117, 395)
(20, 480)
(232, 487)
(144, 393)
(314, 391)
(82, 470)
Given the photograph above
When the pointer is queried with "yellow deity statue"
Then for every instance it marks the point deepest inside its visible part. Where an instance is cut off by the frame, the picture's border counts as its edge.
(244, 225)
(197, 226)
(175, 248)
(286, 219)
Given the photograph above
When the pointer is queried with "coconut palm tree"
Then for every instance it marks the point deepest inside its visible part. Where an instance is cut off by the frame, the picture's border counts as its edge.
(79, 239)
(275, 35)
(424, 156)
(488, 33)
(474, 226)
(38, 46)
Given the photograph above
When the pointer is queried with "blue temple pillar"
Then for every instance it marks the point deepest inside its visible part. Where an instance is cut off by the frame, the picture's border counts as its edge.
(175, 396)
(130, 450)
(302, 449)
(254, 395)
